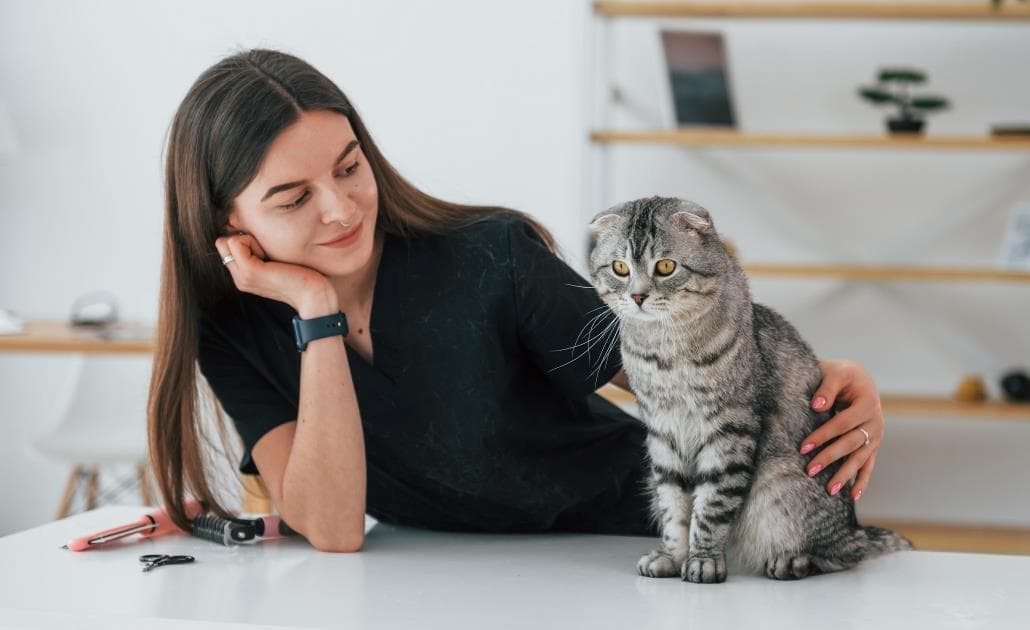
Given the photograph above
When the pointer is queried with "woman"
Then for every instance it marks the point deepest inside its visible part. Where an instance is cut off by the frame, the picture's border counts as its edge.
(461, 396)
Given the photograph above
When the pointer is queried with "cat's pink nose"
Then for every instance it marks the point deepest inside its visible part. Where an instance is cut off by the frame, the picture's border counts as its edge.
(639, 298)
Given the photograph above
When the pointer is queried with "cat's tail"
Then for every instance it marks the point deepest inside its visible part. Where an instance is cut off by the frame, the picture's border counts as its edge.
(865, 542)
(879, 541)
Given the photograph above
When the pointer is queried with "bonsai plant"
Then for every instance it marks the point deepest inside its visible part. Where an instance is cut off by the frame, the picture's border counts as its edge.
(909, 118)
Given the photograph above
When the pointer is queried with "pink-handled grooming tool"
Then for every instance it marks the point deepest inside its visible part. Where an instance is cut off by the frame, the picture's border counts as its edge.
(233, 531)
(150, 525)
(270, 526)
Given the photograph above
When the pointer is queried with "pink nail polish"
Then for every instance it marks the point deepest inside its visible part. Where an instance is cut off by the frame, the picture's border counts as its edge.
(835, 489)
(807, 448)
(818, 402)
(858, 495)
(814, 470)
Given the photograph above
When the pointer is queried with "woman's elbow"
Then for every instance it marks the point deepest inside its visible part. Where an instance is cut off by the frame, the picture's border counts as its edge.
(337, 544)
(338, 536)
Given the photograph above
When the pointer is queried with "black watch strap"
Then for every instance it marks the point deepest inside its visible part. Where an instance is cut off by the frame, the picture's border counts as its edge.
(308, 330)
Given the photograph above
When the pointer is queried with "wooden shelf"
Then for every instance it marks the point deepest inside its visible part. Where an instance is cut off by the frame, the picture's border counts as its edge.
(895, 404)
(868, 273)
(54, 336)
(960, 537)
(817, 10)
(701, 137)
(616, 395)
(941, 406)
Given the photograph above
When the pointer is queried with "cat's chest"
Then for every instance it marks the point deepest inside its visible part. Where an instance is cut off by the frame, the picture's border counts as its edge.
(664, 373)
(677, 436)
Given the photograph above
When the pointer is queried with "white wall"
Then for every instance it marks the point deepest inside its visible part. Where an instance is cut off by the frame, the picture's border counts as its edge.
(490, 102)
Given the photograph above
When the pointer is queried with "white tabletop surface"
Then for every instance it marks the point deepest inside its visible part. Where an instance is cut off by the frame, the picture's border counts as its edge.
(408, 578)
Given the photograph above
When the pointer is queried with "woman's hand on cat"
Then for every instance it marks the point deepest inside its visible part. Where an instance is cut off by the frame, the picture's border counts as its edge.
(849, 389)
(309, 292)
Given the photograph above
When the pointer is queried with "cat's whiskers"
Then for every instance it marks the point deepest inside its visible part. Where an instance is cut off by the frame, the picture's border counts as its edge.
(590, 324)
(611, 346)
(594, 341)
(599, 337)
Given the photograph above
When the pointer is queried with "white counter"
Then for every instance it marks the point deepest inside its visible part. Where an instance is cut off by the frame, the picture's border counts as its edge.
(407, 578)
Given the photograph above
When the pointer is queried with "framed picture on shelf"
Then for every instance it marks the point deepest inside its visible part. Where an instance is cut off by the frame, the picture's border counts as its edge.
(698, 78)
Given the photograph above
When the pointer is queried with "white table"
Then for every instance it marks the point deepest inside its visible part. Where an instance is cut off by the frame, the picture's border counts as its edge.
(407, 578)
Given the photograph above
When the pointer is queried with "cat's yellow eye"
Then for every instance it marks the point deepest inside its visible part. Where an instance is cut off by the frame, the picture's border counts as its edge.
(620, 268)
(665, 266)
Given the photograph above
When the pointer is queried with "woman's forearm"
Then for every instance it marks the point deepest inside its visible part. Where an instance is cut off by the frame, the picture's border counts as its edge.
(324, 481)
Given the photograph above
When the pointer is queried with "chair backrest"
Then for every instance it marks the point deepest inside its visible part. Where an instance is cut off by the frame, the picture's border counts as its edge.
(105, 416)
(111, 390)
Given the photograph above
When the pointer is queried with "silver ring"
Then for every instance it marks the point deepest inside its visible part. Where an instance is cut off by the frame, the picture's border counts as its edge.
(345, 225)
(866, 434)
(228, 259)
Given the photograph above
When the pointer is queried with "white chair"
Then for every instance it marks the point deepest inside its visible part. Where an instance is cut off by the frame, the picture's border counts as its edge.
(103, 426)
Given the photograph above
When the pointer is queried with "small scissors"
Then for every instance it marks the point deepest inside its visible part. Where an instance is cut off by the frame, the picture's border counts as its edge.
(153, 560)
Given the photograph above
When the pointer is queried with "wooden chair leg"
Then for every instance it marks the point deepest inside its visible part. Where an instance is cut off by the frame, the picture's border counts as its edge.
(144, 485)
(70, 488)
(91, 489)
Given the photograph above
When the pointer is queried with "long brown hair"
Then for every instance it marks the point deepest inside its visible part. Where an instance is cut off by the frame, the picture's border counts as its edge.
(217, 141)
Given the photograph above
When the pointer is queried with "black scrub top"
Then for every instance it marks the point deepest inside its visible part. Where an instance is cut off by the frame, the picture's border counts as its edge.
(477, 413)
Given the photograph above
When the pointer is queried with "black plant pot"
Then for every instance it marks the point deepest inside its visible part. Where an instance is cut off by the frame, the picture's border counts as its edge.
(1016, 386)
(905, 125)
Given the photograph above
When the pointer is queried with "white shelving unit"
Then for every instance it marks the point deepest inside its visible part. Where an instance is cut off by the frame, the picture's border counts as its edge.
(599, 191)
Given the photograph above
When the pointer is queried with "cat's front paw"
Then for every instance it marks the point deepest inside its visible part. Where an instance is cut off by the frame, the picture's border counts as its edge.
(704, 569)
(658, 564)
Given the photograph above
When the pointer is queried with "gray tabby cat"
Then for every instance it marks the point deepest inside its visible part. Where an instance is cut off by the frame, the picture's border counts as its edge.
(723, 387)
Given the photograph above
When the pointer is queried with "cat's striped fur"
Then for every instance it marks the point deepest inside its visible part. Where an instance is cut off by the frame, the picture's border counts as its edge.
(724, 387)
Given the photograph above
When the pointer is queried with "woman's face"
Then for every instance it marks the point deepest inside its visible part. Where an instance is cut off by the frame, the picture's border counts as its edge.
(313, 182)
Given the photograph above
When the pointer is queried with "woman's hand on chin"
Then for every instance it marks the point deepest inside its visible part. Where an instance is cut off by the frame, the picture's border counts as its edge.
(309, 292)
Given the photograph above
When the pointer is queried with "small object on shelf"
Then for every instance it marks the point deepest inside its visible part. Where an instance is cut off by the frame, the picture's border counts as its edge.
(996, 4)
(909, 119)
(971, 389)
(1016, 385)
(699, 79)
(1011, 130)
(10, 323)
(97, 309)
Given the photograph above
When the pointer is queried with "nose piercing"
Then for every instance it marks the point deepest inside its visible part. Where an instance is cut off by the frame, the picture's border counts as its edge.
(345, 225)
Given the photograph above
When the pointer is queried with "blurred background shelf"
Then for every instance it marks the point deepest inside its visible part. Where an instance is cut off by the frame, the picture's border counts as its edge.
(898, 404)
(886, 273)
(625, 132)
(816, 10)
(961, 537)
(736, 138)
(59, 336)
(895, 404)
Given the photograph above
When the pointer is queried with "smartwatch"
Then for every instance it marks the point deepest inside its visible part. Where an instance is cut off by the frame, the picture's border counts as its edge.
(308, 330)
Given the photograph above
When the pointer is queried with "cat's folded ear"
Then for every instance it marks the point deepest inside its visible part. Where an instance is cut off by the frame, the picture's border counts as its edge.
(691, 221)
(603, 221)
